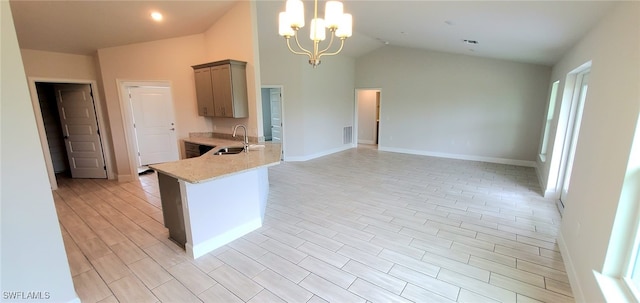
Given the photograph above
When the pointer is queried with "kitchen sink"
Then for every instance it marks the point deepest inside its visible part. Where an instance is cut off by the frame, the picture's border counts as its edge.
(229, 150)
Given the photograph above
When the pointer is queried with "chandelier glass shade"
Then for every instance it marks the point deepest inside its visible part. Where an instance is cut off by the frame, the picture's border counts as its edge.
(335, 20)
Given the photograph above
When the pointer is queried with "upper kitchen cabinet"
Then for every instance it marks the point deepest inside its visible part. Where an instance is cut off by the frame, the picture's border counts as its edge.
(221, 89)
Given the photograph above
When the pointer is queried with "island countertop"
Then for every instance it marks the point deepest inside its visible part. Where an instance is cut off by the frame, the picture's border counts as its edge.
(209, 166)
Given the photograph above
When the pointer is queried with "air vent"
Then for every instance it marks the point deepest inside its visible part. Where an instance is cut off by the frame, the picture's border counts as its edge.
(347, 137)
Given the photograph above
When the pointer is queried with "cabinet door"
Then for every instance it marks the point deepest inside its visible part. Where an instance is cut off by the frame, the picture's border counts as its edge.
(204, 91)
(222, 96)
(171, 199)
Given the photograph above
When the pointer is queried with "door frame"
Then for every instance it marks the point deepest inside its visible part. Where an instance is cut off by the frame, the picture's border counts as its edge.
(282, 117)
(35, 102)
(560, 144)
(127, 116)
(355, 115)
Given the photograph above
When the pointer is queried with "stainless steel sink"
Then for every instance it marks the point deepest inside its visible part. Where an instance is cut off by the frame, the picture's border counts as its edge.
(229, 150)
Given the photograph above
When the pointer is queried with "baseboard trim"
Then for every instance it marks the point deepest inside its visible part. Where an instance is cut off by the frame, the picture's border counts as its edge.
(576, 288)
(208, 246)
(318, 155)
(458, 156)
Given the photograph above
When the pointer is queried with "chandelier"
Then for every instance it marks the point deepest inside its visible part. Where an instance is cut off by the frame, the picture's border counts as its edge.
(338, 23)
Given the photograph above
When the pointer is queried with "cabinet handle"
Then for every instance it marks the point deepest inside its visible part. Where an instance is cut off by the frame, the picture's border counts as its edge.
(172, 129)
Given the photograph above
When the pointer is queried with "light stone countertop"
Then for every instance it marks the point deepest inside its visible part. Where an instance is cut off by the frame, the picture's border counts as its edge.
(209, 166)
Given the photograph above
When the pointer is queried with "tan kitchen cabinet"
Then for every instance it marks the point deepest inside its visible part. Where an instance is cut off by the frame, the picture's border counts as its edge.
(221, 89)
(191, 150)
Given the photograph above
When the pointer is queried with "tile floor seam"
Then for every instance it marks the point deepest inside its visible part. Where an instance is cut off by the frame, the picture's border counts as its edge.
(459, 204)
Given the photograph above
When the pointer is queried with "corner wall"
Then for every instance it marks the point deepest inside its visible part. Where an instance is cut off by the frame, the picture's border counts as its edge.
(33, 257)
(234, 36)
(161, 60)
(317, 103)
(456, 106)
(606, 134)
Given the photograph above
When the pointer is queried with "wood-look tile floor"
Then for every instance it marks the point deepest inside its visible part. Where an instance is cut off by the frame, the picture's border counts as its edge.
(356, 226)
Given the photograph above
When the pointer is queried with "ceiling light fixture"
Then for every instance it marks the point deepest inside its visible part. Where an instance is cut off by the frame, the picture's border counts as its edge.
(156, 16)
(338, 23)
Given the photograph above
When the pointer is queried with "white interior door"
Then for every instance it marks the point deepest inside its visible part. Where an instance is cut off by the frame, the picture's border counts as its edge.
(582, 84)
(80, 130)
(276, 115)
(154, 124)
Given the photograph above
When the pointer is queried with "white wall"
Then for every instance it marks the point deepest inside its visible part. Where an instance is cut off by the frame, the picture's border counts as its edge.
(455, 105)
(367, 114)
(606, 134)
(317, 103)
(33, 256)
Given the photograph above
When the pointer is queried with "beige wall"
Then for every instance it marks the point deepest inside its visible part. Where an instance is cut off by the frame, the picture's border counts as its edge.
(171, 60)
(162, 60)
(58, 65)
(61, 67)
(604, 144)
(33, 254)
(455, 105)
(233, 37)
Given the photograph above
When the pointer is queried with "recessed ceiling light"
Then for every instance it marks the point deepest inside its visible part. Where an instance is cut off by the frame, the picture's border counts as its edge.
(385, 42)
(156, 16)
(472, 42)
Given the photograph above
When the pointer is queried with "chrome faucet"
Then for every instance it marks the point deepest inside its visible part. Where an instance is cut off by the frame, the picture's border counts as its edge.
(246, 139)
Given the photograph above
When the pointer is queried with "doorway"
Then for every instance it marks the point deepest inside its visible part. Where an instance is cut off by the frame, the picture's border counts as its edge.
(272, 115)
(368, 116)
(573, 129)
(150, 123)
(68, 121)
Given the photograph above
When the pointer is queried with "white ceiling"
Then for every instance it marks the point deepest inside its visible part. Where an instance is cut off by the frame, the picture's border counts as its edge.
(526, 31)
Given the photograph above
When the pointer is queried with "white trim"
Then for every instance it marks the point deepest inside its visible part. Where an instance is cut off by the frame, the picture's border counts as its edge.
(282, 118)
(321, 154)
(127, 118)
(613, 290)
(107, 151)
(458, 156)
(557, 160)
(356, 137)
(576, 288)
(210, 245)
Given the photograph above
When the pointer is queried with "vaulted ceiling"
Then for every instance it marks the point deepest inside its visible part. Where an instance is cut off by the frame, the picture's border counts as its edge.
(526, 31)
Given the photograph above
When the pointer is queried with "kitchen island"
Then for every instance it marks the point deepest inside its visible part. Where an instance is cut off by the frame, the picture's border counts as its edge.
(211, 200)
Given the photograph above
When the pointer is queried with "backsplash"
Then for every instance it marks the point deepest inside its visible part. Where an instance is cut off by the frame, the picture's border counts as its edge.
(222, 136)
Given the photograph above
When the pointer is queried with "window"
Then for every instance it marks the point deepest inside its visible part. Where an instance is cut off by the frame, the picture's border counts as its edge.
(619, 279)
(547, 125)
(632, 277)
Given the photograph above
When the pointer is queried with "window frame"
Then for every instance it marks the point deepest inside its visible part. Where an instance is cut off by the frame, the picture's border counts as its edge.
(631, 277)
(546, 132)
